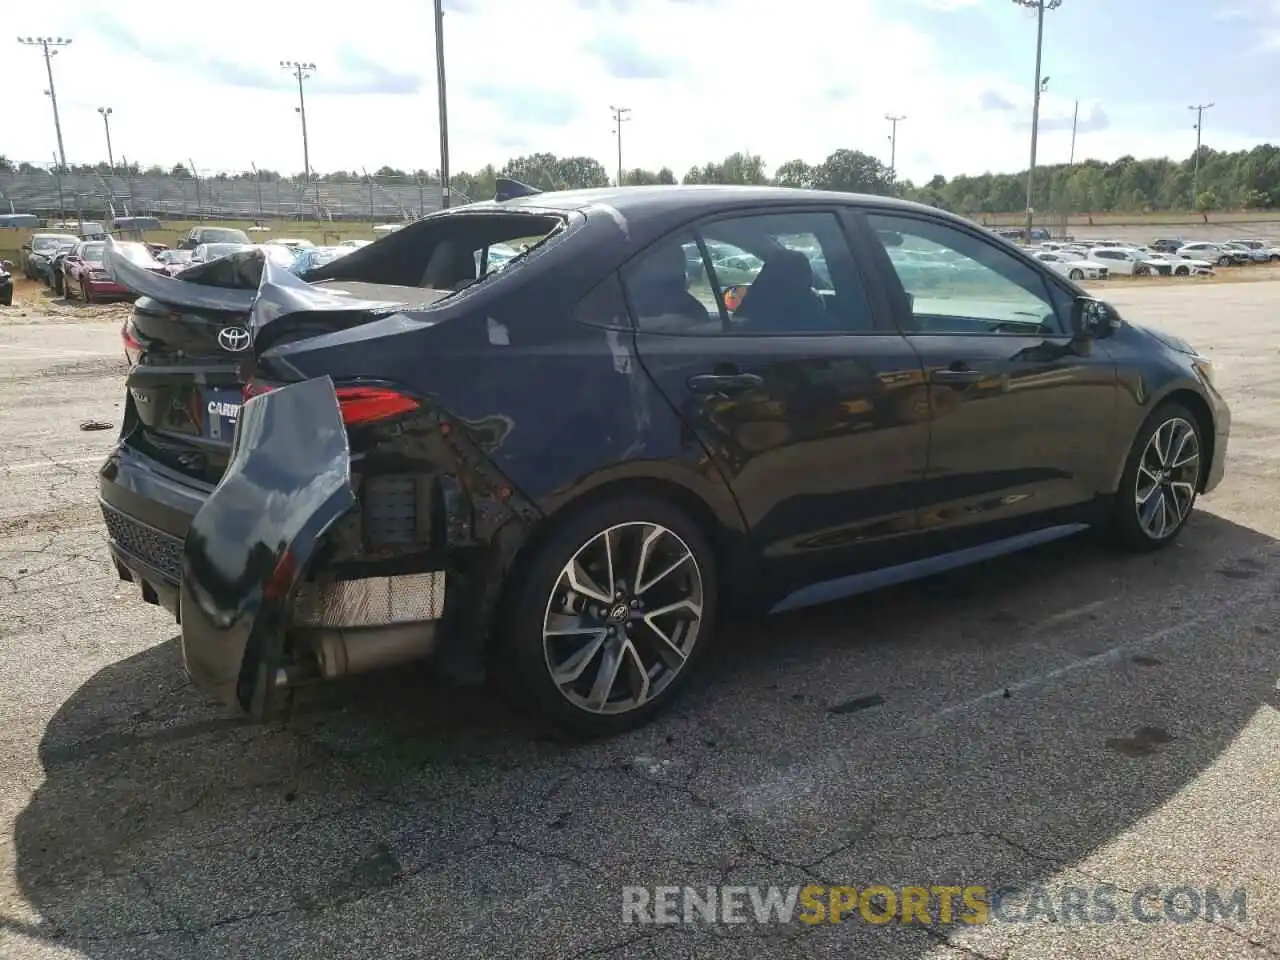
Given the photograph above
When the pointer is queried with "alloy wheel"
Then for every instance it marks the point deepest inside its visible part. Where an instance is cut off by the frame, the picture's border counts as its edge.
(623, 618)
(1168, 472)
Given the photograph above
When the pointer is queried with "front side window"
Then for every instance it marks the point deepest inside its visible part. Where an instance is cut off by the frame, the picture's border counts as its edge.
(958, 283)
(758, 275)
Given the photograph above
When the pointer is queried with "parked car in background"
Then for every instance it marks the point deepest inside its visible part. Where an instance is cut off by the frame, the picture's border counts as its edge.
(278, 253)
(355, 243)
(1123, 261)
(85, 274)
(199, 236)
(54, 276)
(6, 283)
(308, 258)
(1254, 250)
(1072, 266)
(1171, 265)
(1261, 243)
(1172, 245)
(1216, 253)
(174, 261)
(213, 251)
(36, 255)
(293, 243)
(396, 458)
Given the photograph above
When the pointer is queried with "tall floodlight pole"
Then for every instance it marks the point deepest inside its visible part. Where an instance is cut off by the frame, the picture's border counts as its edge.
(893, 149)
(50, 46)
(620, 116)
(1199, 108)
(443, 106)
(106, 125)
(302, 71)
(1040, 6)
(1075, 122)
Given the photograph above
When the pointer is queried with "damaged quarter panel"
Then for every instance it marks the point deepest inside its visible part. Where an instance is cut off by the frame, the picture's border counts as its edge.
(288, 481)
(556, 320)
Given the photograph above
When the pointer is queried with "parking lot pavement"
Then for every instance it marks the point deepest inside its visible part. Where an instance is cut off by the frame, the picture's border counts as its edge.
(1066, 718)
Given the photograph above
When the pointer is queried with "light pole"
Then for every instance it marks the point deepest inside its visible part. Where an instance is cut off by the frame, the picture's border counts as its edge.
(1199, 108)
(50, 46)
(106, 125)
(443, 106)
(620, 116)
(1040, 6)
(303, 71)
(893, 150)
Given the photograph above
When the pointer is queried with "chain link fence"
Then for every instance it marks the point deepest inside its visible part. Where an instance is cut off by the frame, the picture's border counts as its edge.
(40, 190)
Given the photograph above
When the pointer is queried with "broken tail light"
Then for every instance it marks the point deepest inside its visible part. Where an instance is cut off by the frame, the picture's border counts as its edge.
(359, 404)
(132, 348)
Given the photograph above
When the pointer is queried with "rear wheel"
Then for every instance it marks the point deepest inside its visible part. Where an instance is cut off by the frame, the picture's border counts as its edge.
(1076, 275)
(1141, 271)
(609, 616)
(1224, 261)
(1182, 271)
(1161, 480)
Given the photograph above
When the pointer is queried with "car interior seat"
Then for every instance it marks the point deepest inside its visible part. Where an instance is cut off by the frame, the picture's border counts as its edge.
(782, 297)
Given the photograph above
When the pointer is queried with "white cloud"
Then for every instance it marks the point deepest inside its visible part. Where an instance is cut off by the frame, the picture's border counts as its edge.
(708, 77)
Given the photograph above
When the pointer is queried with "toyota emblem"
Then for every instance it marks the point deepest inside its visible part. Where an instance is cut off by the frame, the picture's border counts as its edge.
(234, 339)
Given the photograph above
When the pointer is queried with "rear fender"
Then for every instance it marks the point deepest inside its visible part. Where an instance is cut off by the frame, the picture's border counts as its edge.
(288, 482)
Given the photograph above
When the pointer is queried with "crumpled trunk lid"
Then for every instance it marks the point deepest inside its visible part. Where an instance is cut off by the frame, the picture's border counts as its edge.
(197, 336)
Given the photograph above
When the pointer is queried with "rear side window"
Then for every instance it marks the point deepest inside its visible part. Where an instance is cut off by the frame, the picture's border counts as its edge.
(777, 274)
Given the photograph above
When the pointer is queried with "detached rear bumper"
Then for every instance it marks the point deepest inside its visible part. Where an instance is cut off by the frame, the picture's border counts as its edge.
(271, 574)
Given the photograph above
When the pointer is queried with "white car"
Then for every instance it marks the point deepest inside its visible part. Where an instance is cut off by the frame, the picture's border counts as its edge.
(293, 243)
(1127, 261)
(355, 243)
(1260, 243)
(1213, 252)
(1171, 265)
(1072, 266)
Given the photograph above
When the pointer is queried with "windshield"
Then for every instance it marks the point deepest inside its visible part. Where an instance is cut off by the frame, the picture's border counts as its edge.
(43, 244)
(219, 236)
(93, 252)
(174, 256)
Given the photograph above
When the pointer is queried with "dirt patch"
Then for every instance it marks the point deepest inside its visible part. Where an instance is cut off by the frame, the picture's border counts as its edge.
(33, 302)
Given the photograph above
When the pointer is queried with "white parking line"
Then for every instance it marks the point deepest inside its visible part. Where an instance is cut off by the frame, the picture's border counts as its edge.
(46, 464)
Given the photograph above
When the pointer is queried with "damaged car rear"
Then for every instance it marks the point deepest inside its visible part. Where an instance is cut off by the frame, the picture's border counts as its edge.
(324, 476)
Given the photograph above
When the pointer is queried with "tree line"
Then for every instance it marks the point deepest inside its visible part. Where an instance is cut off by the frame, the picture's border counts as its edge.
(1246, 179)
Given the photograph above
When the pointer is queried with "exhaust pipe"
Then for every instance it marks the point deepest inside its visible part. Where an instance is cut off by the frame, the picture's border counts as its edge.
(345, 651)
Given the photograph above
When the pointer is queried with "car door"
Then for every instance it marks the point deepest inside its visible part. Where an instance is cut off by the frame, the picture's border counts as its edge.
(1022, 413)
(806, 398)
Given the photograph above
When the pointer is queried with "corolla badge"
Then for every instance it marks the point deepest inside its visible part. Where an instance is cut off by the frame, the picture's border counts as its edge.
(234, 339)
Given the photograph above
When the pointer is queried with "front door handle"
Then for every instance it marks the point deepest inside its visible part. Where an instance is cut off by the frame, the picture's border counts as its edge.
(724, 383)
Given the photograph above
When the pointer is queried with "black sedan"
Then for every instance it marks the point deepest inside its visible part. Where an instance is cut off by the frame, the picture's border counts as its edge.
(6, 283)
(561, 472)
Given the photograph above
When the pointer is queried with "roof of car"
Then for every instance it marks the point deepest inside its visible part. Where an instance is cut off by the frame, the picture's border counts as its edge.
(693, 197)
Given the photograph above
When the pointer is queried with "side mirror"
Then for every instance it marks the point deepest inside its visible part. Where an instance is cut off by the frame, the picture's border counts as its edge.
(1091, 318)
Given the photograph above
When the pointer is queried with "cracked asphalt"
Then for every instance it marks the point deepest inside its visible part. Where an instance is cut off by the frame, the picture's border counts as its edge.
(1068, 717)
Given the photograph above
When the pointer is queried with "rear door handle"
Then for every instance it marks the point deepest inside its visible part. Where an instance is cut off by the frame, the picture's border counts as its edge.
(958, 375)
(724, 383)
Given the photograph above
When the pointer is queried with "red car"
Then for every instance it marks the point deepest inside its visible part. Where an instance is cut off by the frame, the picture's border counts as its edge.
(85, 276)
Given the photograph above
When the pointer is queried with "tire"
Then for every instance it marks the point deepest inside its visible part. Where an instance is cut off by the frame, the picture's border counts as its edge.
(1224, 261)
(1141, 271)
(1076, 275)
(1275, 258)
(1178, 430)
(523, 656)
(7, 299)
(1182, 272)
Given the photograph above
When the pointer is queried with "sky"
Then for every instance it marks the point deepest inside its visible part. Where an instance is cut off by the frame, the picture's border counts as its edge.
(702, 78)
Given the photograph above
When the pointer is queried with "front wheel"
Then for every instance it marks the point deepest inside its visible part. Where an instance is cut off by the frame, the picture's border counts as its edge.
(1141, 271)
(1183, 272)
(1076, 275)
(1224, 261)
(1161, 480)
(609, 616)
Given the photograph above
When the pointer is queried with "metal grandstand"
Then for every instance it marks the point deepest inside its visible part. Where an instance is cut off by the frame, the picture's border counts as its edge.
(218, 198)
